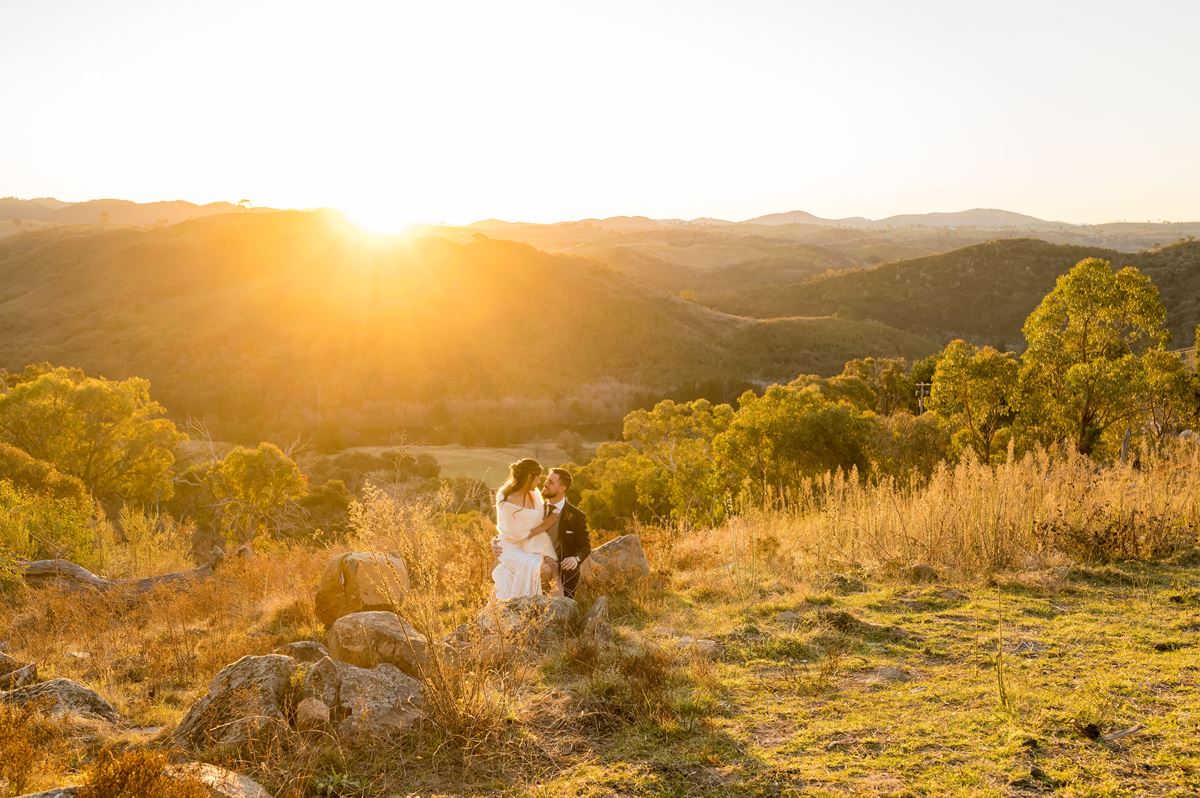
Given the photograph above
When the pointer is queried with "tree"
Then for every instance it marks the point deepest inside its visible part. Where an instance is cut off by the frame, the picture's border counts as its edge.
(661, 470)
(256, 488)
(975, 388)
(889, 379)
(777, 439)
(109, 434)
(909, 448)
(1082, 369)
(1168, 395)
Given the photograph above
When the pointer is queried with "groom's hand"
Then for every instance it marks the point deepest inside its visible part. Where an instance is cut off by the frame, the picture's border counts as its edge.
(570, 563)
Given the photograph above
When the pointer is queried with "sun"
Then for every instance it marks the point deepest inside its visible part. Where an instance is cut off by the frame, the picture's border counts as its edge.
(378, 219)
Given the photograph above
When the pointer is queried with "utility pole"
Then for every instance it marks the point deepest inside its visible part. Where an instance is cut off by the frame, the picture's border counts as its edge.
(922, 392)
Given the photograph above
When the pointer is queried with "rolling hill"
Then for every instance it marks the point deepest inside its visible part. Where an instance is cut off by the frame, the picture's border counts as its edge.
(280, 323)
(982, 292)
(17, 215)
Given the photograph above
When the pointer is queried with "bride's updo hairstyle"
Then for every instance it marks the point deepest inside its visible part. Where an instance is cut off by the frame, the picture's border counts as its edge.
(519, 474)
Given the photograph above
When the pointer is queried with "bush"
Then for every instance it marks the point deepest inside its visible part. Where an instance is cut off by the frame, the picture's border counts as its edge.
(136, 774)
(37, 526)
(28, 739)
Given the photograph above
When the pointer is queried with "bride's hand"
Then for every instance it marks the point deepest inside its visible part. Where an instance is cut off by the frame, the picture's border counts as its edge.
(547, 523)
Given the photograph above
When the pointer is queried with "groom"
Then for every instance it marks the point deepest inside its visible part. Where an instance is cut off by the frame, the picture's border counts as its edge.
(570, 533)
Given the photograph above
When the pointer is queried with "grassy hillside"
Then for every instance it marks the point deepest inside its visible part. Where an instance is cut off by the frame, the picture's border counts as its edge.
(285, 322)
(960, 638)
(982, 292)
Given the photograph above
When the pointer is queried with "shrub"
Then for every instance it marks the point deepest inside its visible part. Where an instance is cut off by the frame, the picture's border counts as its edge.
(136, 774)
(28, 739)
(38, 526)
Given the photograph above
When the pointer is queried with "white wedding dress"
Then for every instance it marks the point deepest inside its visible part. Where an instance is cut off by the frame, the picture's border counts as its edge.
(519, 572)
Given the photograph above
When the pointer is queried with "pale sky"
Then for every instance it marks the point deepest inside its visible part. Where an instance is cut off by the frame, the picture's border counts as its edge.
(453, 111)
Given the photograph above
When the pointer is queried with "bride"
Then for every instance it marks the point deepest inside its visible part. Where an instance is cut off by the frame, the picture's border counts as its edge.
(523, 522)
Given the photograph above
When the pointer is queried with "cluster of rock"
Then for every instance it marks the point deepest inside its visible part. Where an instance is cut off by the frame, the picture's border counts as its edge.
(255, 699)
(363, 683)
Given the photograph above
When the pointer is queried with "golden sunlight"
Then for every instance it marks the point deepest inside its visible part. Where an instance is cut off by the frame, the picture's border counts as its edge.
(377, 219)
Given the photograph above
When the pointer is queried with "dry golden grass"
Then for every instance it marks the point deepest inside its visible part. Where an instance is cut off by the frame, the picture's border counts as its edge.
(968, 519)
(641, 716)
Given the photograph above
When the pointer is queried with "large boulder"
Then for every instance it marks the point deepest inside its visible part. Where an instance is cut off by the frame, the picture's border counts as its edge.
(64, 698)
(246, 703)
(618, 562)
(373, 701)
(219, 782)
(357, 581)
(533, 620)
(367, 639)
(304, 651)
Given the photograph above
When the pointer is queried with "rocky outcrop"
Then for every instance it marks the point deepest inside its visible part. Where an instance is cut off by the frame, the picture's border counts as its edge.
(247, 702)
(534, 620)
(618, 562)
(256, 698)
(304, 651)
(367, 639)
(359, 581)
(64, 698)
(376, 700)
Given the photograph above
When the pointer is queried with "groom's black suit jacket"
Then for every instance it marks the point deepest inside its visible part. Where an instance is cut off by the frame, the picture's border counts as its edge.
(572, 541)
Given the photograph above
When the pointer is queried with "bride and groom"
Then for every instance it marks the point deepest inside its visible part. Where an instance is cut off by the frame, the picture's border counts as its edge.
(540, 534)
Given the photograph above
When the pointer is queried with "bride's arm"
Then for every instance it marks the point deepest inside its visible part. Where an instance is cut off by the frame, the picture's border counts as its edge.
(513, 531)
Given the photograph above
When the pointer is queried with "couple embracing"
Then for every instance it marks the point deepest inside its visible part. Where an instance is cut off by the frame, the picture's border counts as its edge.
(541, 534)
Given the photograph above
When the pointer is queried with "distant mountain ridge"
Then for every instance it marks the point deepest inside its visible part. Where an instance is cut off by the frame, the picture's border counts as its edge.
(47, 211)
(289, 321)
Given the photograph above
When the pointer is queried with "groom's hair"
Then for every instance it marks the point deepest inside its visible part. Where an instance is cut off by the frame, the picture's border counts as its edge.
(564, 476)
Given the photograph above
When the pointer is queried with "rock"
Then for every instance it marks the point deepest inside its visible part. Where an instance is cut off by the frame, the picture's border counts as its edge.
(921, 572)
(886, 673)
(377, 700)
(618, 562)
(360, 581)
(701, 646)
(846, 623)
(845, 584)
(321, 681)
(367, 639)
(64, 698)
(245, 703)
(534, 620)
(14, 673)
(58, 792)
(304, 651)
(219, 782)
(597, 628)
(312, 713)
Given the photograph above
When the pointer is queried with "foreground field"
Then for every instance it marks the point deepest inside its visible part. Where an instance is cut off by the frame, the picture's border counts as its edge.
(836, 686)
